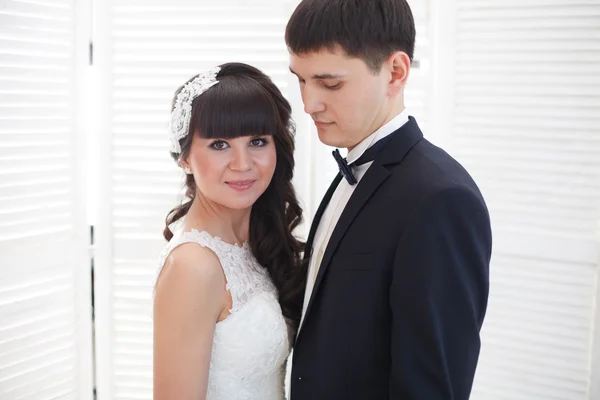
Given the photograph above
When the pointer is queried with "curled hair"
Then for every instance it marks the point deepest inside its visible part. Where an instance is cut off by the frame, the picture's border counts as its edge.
(246, 102)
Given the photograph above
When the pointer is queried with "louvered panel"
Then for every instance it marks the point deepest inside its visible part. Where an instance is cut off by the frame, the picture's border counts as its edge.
(526, 124)
(37, 333)
(537, 336)
(132, 344)
(42, 352)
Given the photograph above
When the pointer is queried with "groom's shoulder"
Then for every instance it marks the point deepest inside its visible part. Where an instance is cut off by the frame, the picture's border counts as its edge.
(434, 165)
(426, 170)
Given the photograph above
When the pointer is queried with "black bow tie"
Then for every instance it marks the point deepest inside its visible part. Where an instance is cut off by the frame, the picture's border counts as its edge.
(368, 156)
(345, 169)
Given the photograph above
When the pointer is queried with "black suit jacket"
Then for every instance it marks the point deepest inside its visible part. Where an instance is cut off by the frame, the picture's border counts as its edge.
(402, 289)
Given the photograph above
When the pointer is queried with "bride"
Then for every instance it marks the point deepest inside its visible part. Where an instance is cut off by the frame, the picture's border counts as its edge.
(229, 288)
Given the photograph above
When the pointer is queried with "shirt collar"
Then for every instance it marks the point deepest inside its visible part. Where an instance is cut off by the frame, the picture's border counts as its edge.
(393, 125)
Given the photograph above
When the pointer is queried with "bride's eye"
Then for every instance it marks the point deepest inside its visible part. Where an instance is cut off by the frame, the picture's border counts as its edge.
(258, 142)
(219, 145)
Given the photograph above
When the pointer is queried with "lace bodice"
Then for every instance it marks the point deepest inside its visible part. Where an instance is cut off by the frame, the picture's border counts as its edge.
(251, 345)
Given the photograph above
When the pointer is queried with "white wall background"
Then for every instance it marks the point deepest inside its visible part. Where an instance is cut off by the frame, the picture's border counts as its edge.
(510, 88)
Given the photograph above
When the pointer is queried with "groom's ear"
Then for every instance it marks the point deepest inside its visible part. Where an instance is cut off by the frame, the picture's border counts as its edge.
(397, 67)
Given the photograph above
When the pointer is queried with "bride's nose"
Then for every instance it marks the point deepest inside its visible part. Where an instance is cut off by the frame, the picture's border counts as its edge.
(241, 160)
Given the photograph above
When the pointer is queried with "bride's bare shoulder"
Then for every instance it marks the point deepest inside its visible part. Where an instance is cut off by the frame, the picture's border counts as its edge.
(192, 273)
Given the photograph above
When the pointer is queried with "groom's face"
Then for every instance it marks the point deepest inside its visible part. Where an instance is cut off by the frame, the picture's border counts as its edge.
(346, 100)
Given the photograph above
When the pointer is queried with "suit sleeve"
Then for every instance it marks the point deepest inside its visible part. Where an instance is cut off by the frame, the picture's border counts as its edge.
(438, 297)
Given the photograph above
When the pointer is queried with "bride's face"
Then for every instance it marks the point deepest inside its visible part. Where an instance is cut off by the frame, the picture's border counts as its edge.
(233, 173)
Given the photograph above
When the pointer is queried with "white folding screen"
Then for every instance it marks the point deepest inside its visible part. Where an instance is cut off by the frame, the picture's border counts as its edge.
(519, 106)
(45, 318)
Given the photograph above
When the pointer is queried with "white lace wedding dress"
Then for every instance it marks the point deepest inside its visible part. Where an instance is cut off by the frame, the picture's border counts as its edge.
(251, 345)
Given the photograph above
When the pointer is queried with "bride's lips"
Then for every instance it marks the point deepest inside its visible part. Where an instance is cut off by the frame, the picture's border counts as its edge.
(241, 185)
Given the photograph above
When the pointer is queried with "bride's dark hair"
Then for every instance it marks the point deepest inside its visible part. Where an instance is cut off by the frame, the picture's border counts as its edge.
(246, 102)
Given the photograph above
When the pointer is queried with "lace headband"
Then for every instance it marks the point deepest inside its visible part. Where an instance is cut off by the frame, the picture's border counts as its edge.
(182, 112)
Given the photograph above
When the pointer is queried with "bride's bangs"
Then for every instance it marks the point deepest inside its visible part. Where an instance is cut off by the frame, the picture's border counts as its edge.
(234, 108)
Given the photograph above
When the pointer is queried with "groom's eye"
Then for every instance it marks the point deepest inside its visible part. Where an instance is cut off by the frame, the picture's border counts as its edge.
(333, 87)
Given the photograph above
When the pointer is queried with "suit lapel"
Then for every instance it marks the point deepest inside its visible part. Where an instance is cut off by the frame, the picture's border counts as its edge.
(315, 225)
(319, 214)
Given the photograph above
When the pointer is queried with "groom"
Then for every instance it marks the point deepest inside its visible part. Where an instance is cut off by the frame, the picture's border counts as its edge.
(400, 246)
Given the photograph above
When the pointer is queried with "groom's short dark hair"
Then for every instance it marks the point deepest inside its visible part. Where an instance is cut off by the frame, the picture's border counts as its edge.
(367, 29)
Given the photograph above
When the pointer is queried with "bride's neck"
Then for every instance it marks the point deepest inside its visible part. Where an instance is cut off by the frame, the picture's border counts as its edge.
(231, 225)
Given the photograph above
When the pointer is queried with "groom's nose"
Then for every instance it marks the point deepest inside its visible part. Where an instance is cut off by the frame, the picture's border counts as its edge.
(312, 100)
